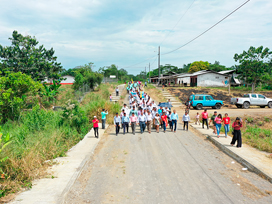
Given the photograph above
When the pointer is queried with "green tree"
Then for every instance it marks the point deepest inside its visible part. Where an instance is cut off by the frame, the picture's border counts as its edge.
(24, 55)
(85, 75)
(14, 91)
(198, 66)
(217, 67)
(254, 65)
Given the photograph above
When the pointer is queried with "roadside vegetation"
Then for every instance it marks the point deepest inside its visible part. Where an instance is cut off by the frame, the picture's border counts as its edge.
(41, 135)
(155, 93)
(31, 133)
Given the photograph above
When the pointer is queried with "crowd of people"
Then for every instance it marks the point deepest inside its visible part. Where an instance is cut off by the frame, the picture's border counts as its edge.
(143, 112)
(217, 120)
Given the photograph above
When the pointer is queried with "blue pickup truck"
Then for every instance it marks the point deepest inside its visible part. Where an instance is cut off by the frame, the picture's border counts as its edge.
(199, 101)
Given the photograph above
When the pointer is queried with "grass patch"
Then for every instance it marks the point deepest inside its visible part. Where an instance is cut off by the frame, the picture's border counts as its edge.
(42, 135)
(155, 93)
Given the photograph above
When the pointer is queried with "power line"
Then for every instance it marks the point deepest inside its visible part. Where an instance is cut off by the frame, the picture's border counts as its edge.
(178, 21)
(132, 66)
(207, 29)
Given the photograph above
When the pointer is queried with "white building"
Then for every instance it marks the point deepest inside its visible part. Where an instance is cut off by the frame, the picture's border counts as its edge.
(208, 78)
(68, 80)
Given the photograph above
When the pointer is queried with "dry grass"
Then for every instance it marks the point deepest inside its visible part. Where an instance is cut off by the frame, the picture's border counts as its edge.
(155, 93)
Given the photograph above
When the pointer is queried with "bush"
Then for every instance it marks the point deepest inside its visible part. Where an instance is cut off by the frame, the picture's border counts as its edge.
(15, 88)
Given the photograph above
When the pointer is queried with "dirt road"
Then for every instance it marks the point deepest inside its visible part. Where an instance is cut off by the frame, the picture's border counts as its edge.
(169, 167)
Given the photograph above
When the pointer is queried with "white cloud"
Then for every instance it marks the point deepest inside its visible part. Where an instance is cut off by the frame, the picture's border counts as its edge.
(128, 32)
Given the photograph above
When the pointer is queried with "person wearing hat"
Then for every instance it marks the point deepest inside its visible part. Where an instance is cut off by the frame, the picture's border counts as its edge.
(133, 122)
(117, 122)
(95, 126)
(125, 122)
(238, 123)
(212, 120)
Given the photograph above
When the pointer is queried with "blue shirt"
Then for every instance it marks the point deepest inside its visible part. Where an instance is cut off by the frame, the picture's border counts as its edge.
(104, 115)
(174, 116)
(117, 119)
(125, 119)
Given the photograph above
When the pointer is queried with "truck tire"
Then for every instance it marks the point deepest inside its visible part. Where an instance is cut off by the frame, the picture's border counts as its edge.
(199, 106)
(246, 105)
(217, 106)
(270, 104)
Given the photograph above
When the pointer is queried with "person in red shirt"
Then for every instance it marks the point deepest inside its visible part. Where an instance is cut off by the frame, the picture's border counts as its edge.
(238, 123)
(205, 116)
(226, 120)
(164, 121)
(95, 126)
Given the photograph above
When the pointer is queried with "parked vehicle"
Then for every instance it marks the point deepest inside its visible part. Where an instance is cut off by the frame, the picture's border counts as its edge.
(199, 101)
(252, 100)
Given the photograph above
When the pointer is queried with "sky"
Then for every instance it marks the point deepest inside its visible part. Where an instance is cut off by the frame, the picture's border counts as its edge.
(127, 33)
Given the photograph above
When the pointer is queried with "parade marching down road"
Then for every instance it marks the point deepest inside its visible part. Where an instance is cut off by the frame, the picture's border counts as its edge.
(181, 167)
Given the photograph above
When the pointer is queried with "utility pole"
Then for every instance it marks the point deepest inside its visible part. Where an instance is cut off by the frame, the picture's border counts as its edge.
(145, 73)
(117, 74)
(159, 66)
(149, 73)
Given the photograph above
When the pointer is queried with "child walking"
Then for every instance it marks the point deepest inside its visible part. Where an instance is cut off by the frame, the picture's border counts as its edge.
(110, 98)
(197, 118)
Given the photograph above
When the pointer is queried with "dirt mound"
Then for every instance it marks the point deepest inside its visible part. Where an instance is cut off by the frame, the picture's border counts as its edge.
(184, 94)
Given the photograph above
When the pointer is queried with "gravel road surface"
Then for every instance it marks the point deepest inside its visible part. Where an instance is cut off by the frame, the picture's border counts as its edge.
(181, 167)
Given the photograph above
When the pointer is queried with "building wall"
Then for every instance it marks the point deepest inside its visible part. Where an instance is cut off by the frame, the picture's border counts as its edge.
(211, 79)
(69, 80)
(185, 80)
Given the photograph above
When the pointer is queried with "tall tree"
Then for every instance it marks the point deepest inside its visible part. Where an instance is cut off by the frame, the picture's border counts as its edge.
(254, 65)
(24, 55)
(198, 66)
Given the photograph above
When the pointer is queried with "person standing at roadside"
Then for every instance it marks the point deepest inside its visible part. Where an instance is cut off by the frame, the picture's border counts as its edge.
(186, 120)
(238, 123)
(95, 126)
(117, 91)
(174, 118)
(103, 114)
(212, 120)
(117, 122)
(205, 116)
(133, 122)
(226, 120)
(125, 122)
(142, 122)
(218, 123)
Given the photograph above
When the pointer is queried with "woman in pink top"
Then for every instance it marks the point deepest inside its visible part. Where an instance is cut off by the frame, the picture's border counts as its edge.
(205, 116)
(95, 126)
(218, 120)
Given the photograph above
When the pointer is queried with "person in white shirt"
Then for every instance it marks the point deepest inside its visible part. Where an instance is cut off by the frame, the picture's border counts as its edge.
(186, 120)
(149, 119)
(142, 122)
